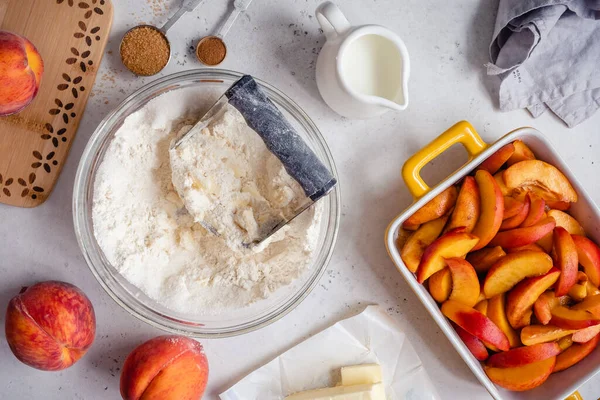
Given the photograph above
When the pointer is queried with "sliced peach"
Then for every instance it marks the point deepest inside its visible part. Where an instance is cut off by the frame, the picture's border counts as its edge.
(482, 307)
(541, 174)
(465, 284)
(522, 378)
(440, 285)
(574, 354)
(546, 243)
(415, 245)
(550, 198)
(530, 247)
(524, 355)
(521, 299)
(513, 268)
(475, 346)
(544, 305)
(566, 221)
(494, 162)
(565, 342)
(438, 206)
(516, 220)
(591, 289)
(589, 256)
(497, 313)
(566, 260)
(492, 209)
(522, 153)
(587, 334)
(534, 334)
(578, 291)
(536, 210)
(403, 236)
(482, 260)
(500, 181)
(467, 209)
(512, 207)
(410, 227)
(567, 318)
(591, 304)
(451, 245)
(523, 236)
(476, 324)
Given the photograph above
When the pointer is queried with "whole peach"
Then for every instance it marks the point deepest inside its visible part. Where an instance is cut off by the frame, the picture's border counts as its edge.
(21, 69)
(50, 325)
(165, 368)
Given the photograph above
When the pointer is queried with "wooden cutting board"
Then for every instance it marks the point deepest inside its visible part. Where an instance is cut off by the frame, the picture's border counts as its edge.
(71, 36)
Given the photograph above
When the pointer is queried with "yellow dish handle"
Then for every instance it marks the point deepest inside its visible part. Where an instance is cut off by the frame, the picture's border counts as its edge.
(461, 132)
(575, 396)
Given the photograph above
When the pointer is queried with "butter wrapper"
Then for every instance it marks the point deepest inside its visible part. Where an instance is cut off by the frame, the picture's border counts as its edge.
(369, 337)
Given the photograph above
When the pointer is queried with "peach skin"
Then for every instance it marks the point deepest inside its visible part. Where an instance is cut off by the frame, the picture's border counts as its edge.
(567, 318)
(465, 284)
(476, 324)
(50, 325)
(453, 244)
(544, 305)
(512, 207)
(415, 244)
(475, 346)
(497, 313)
(467, 209)
(438, 206)
(494, 162)
(588, 254)
(519, 218)
(492, 209)
(591, 304)
(534, 334)
(537, 208)
(541, 174)
(564, 220)
(521, 298)
(566, 260)
(530, 247)
(524, 355)
(21, 69)
(521, 153)
(440, 285)
(165, 368)
(574, 354)
(585, 335)
(519, 237)
(525, 377)
(482, 260)
(513, 268)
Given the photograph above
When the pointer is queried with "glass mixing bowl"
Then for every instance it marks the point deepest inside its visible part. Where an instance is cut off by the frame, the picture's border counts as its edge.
(213, 82)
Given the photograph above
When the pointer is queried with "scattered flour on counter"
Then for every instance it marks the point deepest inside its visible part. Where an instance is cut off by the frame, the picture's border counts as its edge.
(146, 233)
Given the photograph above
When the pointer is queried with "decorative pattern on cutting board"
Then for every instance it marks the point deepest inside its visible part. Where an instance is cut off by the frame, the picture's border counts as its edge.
(71, 36)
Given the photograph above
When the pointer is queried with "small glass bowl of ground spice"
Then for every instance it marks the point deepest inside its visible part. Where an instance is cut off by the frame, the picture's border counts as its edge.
(145, 50)
(211, 50)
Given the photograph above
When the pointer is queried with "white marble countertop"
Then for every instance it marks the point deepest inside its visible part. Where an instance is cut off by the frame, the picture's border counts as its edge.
(278, 41)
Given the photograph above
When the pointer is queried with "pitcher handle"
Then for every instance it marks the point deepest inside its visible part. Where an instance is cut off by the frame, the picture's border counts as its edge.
(332, 20)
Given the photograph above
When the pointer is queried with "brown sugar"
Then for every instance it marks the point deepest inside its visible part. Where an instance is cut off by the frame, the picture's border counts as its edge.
(211, 50)
(145, 50)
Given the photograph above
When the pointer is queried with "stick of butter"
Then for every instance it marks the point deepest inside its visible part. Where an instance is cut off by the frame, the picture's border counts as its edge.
(355, 392)
(361, 374)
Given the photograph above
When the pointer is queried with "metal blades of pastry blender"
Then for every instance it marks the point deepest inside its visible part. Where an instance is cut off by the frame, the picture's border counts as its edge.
(300, 162)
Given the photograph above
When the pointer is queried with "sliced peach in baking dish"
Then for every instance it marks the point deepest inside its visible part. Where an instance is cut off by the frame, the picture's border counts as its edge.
(482, 306)
(476, 324)
(567, 318)
(534, 334)
(544, 305)
(566, 260)
(475, 346)
(537, 209)
(513, 268)
(516, 220)
(541, 174)
(575, 353)
(415, 245)
(450, 245)
(435, 208)
(588, 254)
(585, 335)
(498, 177)
(440, 285)
(512, 207)
(547, 242)
(519, 237)
(522, 378)
(465, 284)
(521, 153)
(496, 311)
(520, 300)
(551, 200)
(494, 162)
(564, 220)
(492, 209)
(591, 304)
(565, 342)
(530, 247)
(467, 209)
(524, 355)
(482, 260)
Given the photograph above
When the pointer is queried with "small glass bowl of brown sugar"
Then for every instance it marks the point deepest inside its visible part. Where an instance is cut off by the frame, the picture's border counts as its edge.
(145, 50)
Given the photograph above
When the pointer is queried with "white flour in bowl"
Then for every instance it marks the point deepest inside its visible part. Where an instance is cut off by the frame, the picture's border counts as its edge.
(147, 234)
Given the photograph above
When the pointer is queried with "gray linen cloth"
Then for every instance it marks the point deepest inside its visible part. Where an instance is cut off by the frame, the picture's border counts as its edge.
(547, 55)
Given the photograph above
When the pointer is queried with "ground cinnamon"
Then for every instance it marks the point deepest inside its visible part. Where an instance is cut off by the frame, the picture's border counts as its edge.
(145, 50)
(211, 50)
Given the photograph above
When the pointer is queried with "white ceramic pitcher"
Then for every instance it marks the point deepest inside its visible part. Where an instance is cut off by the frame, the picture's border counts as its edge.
(362, 71)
